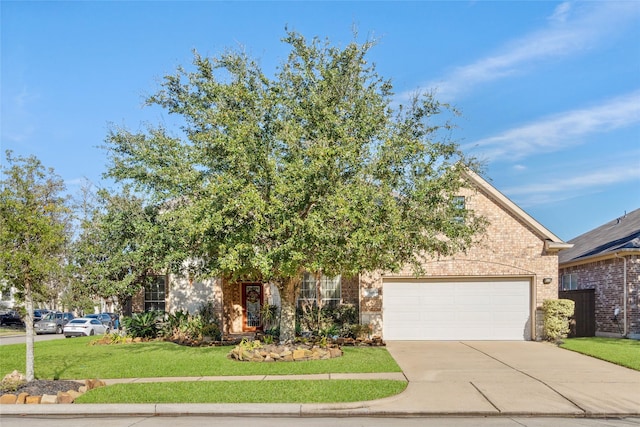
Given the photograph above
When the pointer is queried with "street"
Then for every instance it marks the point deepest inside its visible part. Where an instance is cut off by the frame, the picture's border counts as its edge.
(266, 421)
(20, 339)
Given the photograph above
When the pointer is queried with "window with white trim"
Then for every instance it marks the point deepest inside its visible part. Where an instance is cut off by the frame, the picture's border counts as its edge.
(570, 282)
(154, 294)
(330, 290)
(459, 204)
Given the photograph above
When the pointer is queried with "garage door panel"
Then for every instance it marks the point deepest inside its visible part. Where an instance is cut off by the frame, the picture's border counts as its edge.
(464, 310)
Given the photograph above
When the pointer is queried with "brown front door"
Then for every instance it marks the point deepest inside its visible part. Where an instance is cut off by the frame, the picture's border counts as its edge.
(251, 306)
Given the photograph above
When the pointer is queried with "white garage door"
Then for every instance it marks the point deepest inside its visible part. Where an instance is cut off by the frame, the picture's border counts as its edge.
(456, 310)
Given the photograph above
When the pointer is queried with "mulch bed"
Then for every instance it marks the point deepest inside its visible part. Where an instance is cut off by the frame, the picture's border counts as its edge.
(41, 387)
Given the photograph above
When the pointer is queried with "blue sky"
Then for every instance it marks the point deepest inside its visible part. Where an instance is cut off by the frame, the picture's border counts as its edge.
(549, 91)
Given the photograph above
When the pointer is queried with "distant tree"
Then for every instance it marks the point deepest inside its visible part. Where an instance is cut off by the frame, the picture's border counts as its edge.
(33, 233)
(315, 170)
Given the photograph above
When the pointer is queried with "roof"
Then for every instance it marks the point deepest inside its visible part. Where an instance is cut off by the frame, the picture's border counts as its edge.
(621, 234)
(552, 242)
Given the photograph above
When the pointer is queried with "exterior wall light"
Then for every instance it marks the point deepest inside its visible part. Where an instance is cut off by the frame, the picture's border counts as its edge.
(547, 280)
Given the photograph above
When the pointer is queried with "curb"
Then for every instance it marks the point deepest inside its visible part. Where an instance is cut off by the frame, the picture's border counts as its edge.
(355, 409)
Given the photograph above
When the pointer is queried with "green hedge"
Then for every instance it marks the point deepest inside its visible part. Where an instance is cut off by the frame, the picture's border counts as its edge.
(557, 313)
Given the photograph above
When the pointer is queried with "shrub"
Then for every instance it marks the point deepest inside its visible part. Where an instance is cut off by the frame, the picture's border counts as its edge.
(212, 330)
(143, 325)
(556, 318)
(341, 320)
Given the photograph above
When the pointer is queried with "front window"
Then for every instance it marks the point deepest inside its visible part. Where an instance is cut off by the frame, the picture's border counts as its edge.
(569, 282)
(154, 294)
(330, 290)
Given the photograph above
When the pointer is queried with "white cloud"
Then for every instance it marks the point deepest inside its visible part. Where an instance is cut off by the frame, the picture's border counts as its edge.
(584, 180)
(561, 131)
(569, 30)
(17, 122)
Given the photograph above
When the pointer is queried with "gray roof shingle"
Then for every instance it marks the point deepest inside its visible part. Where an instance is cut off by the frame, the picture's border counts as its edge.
(621, 233)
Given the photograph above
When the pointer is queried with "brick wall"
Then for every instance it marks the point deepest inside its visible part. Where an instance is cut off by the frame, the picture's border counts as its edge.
(606, 276)
(509, 248)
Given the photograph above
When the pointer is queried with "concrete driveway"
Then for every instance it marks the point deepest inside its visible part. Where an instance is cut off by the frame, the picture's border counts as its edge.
(509, 378)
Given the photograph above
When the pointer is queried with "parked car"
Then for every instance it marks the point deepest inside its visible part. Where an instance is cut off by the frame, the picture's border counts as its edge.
(11, 317)
(52, 323)
(102, 317)
(39, 313)
(83, 326)
(115, 320)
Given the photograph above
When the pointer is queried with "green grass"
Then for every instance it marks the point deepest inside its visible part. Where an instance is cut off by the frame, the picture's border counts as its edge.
(277, 391)
(77, 359)
(624, 352)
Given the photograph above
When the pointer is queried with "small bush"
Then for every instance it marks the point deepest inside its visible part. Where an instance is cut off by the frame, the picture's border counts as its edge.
(142, 325)
(556, 318)
(212, 330)
(10, 385)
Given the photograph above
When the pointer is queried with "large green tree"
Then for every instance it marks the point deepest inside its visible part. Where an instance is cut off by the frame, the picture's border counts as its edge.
(34, 216)
(119, 246)
(314, 169)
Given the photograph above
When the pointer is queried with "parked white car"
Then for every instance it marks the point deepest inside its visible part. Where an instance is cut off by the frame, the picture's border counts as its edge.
(83, 326)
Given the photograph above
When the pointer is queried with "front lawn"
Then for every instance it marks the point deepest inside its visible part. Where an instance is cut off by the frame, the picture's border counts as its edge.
(624, 352)
(76, 358)
(276, 391)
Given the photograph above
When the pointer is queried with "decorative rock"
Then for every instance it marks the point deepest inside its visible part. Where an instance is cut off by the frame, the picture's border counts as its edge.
(8, 399)
(33, 400)
(74, 394)
(95, 383)
(22, 397)
(14, 376)
(299, 354)
(49, 399)
(64, 397)
(82, 389)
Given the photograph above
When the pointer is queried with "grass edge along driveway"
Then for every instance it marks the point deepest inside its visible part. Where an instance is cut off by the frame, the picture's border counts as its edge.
(78, 359)
(623, 352)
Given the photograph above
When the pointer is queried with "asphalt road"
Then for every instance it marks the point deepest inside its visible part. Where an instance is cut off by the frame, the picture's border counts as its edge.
(266, 421)
(20, 339)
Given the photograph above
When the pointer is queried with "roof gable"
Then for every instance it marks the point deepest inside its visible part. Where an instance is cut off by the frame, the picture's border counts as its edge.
(620, 234)
(552, 242)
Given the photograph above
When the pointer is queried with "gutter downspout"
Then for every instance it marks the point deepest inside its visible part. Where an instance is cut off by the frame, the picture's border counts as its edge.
(624, 293)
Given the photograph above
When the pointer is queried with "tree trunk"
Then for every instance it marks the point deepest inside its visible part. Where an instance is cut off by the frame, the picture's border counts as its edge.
(288, 293)
(28, 322)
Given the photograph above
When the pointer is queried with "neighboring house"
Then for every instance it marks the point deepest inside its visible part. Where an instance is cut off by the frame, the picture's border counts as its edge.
(606, 260)
(7, 296)
(493, 291)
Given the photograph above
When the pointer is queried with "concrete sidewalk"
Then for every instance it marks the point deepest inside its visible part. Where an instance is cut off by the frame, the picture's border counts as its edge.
(482, 378)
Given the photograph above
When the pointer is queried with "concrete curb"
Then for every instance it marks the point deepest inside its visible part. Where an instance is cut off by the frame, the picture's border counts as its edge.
(355, 409)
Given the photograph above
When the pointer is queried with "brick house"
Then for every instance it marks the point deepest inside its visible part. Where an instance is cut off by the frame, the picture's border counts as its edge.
(491, 292)
(606, 260)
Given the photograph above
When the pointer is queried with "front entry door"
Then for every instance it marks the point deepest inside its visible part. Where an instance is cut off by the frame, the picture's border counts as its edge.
(251, 306)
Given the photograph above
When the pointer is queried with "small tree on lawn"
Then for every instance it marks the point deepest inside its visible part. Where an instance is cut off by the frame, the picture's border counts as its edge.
(33, 233)
(315, 169)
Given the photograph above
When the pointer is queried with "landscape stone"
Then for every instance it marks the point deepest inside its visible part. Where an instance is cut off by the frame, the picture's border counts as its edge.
(32, 400)
(49, 399)
(8, 399)
(64, 397)
(22, 397)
